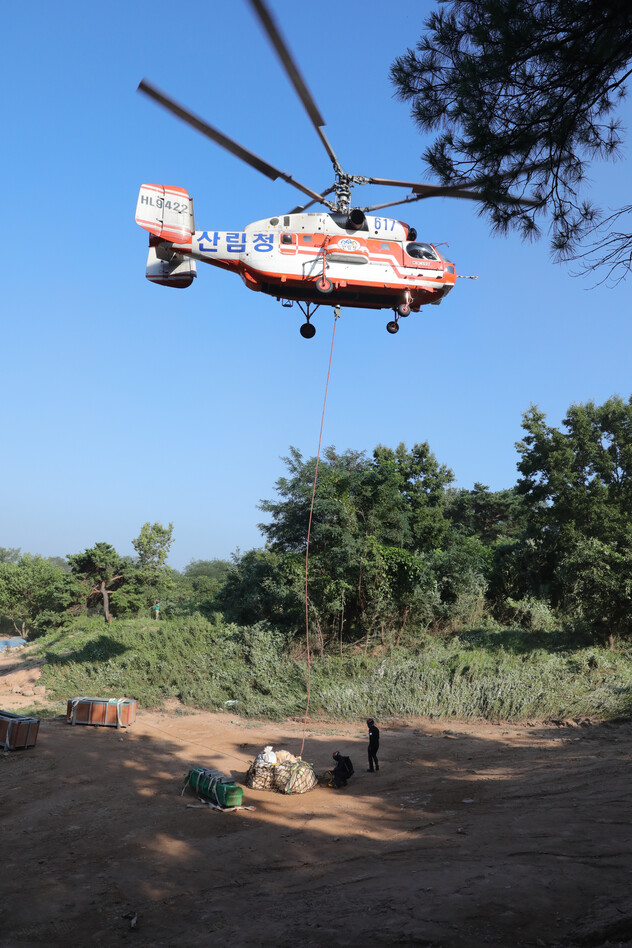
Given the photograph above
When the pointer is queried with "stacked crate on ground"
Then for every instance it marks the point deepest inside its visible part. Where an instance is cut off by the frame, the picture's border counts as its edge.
(103, 712)
(17, 731)
(214, 786)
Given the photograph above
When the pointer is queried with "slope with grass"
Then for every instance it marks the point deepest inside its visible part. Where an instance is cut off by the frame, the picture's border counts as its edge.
(504, 674)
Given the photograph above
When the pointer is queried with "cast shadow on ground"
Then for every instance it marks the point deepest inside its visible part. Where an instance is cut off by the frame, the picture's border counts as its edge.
(519, 641)
(460, 839)
(99, 649)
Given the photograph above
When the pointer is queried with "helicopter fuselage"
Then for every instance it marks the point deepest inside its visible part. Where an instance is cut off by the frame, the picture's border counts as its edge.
(289, 256)
(313, 257)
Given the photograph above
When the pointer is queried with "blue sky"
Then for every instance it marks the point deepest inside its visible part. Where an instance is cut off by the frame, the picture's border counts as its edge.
(126, 402)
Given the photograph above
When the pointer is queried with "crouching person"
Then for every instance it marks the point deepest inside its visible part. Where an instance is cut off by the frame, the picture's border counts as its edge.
(341, 772)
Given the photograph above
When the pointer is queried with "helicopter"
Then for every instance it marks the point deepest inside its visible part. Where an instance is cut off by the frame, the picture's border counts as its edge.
(342, 255)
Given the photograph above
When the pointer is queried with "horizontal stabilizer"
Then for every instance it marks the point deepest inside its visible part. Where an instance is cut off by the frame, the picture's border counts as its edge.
(168, 268)
(166, 212)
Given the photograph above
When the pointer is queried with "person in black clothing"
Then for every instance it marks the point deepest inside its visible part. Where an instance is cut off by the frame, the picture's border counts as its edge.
(342, 771)
(374, 743)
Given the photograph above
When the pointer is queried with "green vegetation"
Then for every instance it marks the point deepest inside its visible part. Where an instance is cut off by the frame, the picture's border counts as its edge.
(522, 97)
(250, 671)
(422, 599)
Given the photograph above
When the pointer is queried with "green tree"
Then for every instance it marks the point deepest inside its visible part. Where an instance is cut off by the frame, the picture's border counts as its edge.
(262, 584)
(152, 546)
(363, 507)
(102, 573)
(337, 556)
(204, 578)
(60, 561)
(580, 480)
(462, 574)
(9, 554)
(598, 584)
(492, 516)
(196, 589)
(405, 594)
(34, 593)
(578, 484)
(408, 490)
(153, 580)
(523, 96)
(397, 496)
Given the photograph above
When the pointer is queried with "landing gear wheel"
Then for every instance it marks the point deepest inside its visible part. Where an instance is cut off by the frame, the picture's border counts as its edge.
(392, 327)
(403, 309)
(323, 285)
(307, 331)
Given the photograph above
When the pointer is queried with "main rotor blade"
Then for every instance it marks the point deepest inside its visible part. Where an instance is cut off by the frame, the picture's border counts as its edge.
(448, 190)
(303, 207)
(404, 200)
(420, 197)
(228, 143)
(443, 192)
(294, 76)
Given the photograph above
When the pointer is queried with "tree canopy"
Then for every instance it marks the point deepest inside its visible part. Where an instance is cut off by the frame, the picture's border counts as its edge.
(34, 592)
(152, 545)
(523, 95)
(577, 483)
(118, 584)
(393, 547)
(396, 550)
(102, 572)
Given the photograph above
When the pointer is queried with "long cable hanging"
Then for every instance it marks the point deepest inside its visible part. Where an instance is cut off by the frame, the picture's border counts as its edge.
(309, 528)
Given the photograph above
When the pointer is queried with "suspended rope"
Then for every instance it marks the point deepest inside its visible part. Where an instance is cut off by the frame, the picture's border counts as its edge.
(309, 529)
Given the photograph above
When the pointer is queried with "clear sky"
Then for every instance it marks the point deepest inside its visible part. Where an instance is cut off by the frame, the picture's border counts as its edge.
(126, 402)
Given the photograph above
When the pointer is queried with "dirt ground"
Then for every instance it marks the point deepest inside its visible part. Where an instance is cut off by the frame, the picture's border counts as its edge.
(471, 834)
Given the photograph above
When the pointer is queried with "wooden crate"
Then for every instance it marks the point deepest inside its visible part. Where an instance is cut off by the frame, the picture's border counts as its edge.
(17, 731)
(101, 712)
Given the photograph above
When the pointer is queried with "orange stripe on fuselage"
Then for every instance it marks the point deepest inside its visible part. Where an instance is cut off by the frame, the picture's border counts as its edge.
(281, 282)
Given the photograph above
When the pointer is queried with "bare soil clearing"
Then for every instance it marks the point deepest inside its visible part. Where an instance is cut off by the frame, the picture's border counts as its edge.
(471, 834)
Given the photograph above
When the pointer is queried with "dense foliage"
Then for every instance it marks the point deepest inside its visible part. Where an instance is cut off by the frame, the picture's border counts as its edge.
(248, 670)
(578, 486)
(396, 551)
(523, 96)
(37, 593)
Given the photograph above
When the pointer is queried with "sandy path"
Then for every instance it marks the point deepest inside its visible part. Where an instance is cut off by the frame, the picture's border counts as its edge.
(471, 834)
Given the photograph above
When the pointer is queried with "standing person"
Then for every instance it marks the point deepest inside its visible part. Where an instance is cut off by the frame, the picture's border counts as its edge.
(374, 743)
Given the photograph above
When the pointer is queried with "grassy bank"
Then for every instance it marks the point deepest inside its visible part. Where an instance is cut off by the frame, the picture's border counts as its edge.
(505, 674)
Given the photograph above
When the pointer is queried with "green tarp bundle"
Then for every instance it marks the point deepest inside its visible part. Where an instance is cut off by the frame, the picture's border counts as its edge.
(215, 786)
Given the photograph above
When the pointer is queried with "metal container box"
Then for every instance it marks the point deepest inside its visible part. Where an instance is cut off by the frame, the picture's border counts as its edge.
(101, 712)
(17, 731)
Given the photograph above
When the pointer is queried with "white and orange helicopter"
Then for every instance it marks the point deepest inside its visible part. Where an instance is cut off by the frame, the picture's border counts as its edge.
(341, 256)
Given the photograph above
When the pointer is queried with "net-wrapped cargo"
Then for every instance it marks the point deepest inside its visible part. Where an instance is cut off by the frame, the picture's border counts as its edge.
(260, 776)
(295, 777)
(291, 776)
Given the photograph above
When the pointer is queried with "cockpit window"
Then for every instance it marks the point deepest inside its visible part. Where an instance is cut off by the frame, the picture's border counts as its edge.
(421, 251)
